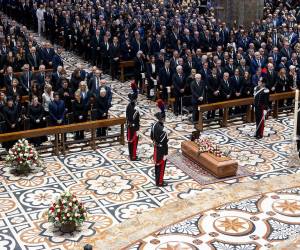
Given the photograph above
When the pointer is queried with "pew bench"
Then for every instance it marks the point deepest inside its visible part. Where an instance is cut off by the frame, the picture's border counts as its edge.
(124, 65)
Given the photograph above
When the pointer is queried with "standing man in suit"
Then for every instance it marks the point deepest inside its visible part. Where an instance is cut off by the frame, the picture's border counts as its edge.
(96, 48)
(33, 59)
(213, 91)
(57, 59)
(179, 85)
(41, 77)
(57, 111)
(159, 137)
(133, 126)
(95, 82)
(8, 77)
(226, 90)
(114, 55)
(26, 79)
(139, 70)
(165, 79)
(198, 89)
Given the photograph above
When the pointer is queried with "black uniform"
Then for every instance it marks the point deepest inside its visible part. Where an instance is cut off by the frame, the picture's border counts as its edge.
(261, 102)
(160, 139)
(133, 125)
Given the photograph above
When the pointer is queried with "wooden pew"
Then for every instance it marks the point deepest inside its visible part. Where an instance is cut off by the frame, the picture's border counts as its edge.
(225, 105)
(59, 131)
(125, 65)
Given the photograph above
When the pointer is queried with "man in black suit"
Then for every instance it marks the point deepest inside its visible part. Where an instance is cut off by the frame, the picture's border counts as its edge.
(95, 82)
(139, 70)
(33, 59)
(8, 77)
(96, 48)
(230, 68)
(198, 89)
(179, 85)
(56, 78)
(165, 79)
(25, 79)
(48, 54)
(226, 89)
(41, 77)
(114, 55)
(105, 55)
(286, 51)
(213, 91)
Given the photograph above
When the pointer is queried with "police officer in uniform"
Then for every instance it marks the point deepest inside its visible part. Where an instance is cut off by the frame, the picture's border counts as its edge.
(133, 126)
(261, 102)
(159, 137)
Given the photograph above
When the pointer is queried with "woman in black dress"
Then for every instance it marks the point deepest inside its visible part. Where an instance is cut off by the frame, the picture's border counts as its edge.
(79, 112)
(37, 119)
(12, 119)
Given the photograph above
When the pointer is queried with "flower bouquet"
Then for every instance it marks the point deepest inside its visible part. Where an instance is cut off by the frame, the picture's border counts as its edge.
(23, 157)
(206, 145)
(67, 212)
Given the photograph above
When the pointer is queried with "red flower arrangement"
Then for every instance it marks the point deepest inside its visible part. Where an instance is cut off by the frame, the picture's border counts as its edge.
(67, 209)
(206, 145)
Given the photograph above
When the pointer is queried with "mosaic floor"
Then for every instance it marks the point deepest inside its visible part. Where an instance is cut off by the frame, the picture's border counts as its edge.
(24, 200)
(259, 222)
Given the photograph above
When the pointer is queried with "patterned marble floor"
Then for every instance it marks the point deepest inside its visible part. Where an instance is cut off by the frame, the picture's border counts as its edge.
(24, 200)
(259, 222)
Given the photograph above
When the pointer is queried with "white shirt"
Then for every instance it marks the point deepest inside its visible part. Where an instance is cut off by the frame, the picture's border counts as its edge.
(46, 100)
(40, 14)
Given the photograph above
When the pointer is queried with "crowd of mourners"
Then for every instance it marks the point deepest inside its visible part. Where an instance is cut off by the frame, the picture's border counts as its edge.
(179, 50)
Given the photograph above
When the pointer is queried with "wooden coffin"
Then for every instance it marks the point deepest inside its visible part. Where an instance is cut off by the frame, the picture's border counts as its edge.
(220, 167)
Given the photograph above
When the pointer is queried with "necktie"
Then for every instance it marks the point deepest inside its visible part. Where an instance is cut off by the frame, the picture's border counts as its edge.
(28, 83)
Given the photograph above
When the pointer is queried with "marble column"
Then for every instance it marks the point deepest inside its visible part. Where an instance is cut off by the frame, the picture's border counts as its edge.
(243, 11)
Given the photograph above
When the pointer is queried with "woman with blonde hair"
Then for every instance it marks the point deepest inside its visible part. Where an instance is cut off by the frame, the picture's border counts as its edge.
(84, 93)
(47, 97)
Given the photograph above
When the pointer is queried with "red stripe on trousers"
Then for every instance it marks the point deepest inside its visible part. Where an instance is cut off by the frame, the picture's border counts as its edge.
(161, 171)
(134, 145)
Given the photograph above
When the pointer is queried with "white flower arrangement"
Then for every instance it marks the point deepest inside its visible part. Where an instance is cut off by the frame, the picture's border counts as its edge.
(67, 208)
(23, 156)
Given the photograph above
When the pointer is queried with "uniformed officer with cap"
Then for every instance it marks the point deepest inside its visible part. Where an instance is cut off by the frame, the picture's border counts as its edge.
(133, 126)
(159, 137)
(261, 102)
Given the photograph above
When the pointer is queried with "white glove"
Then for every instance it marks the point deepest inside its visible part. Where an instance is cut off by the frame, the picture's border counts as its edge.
(265, 112)
(80, 117)
(37, 120)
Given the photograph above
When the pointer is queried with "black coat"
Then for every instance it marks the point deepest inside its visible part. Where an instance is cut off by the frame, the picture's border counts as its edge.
(79, 110)
(178, 83)
(198, 90)
(36, 113)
